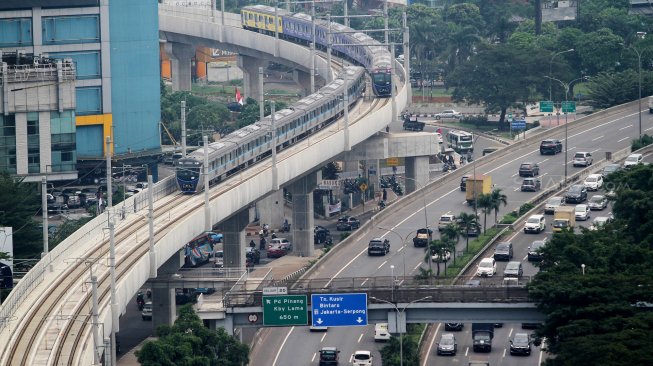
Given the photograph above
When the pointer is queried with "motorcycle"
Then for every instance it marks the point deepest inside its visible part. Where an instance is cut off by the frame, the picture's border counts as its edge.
(285, 228)
(381, 205)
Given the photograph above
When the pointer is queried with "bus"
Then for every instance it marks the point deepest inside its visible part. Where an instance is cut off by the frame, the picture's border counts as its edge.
(461, 141)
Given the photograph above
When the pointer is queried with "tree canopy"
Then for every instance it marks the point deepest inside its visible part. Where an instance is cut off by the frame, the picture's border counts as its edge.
(19, 202)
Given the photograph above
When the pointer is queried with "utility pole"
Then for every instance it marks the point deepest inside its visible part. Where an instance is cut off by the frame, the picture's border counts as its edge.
(183, 128)
(109, 177)
(114, 300)
(150, 217)
(207, 208)
(275, 176)
(346, 101)
(44, 211)
(261, 95)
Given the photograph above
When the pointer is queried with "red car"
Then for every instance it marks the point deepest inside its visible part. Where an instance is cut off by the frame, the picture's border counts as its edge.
(277, 251)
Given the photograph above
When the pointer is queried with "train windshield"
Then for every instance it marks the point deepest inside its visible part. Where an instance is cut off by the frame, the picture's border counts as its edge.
(188, 173)
(381, 78)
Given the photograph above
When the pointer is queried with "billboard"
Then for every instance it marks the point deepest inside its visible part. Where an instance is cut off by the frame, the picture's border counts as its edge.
(6, 265)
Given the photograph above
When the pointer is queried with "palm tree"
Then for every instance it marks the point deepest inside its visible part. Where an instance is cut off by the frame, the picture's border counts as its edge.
(467, 222)
(451, 235)
(497, 198)
(435, 247)
(484, 201)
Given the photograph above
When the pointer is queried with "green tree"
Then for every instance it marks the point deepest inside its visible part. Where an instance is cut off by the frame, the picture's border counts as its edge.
(66, 228)
(634, 204)
(451, 235)
(484, 202)
(410, 350)
(468, 222)
(189, 342)
(439, 247)
(497, 198)
(599, 51)
(19, 202)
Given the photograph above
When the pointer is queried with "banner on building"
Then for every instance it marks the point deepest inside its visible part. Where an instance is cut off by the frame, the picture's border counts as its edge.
(335, 208)
(6, 265)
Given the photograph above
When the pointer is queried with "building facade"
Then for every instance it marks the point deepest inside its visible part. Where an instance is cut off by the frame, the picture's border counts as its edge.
(113, 45)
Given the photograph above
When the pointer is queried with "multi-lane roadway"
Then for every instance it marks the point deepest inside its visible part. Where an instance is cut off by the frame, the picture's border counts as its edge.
(297, 345)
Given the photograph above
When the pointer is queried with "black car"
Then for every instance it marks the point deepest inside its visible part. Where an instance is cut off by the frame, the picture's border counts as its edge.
(534, 250)
(503, 251)
(520, 344)
(378, 246)
(320, 234)
(253, 255)
(347, 223)
(531, 185)
(453, 326)
(463, 182)
(610, 168)
(529, 170)
(576, 194)
(550, 146)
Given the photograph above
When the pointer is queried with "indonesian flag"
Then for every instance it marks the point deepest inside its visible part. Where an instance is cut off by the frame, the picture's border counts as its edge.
(239, 98)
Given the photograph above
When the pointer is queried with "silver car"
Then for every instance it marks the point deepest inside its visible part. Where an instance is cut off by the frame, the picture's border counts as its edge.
(447, 345)
(598, 202)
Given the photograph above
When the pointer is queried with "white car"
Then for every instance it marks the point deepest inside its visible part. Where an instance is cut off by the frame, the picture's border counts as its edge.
(593, 182)
(633, 159)
(361, 358)
(449, 113)
(583, 159)
(600, 221)
(487, 267)
(582, 212)
(381, 333)
(446, 220)
(535, 224)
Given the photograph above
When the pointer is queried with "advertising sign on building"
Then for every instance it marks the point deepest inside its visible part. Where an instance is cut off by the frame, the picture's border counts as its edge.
(6, 265)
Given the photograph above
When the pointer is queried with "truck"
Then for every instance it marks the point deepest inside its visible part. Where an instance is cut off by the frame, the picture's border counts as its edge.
(482, 334)
(563, 217)
(423, 237)
(477, 185)
(478, 361)
(412, 124)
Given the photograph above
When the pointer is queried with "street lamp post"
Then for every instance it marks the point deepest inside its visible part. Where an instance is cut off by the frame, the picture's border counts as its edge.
(392, 274)
(397, 312)
(550, 66)
(403, 242)
(566, 86)
(639, 76)
(426, 220)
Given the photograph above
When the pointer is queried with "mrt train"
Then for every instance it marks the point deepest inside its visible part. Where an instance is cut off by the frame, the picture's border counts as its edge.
(355, 46)
(252, 143)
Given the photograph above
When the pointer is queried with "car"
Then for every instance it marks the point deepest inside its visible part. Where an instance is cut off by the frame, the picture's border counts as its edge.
(520, 344)
(593, 182)
(378, 246)
(576, 194)
(534, 250)
(633, 159)
(320, 234)
(254, 255)
(550, 146)
(361, 358)
(347, 223)
(490, 150)
(213, 237)
(449, 113)
(599, 222)
(463, 182)
(582, 212)
(531, 185)
(487, 267)
(218, 259)
(446, 220)
(423, 237)
(317, 328)
(277, 251)
(552, 203)
(381, 333)
(610, 168)
(329, 356)
(503, 251)
(529, 169)
(513, 269)
(282, 242)
(583, 158)
(453, 326)
(474, 230)
(597, 202)
(441, 255)
(146, 313)
(57, 207)
(447, 345)
(535, 224)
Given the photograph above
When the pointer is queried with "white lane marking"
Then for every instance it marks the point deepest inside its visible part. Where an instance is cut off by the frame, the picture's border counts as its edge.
(466, 351)
(514, 175)
(650, 128)
(386, 233)
(382, 264)
(324, 336)
(504, 353)
(544, 160)
(593, 151)
(539, 361)
(314, 355)
(525, 257)
(361, 337)
(274, 363)
(627, 137)
(510, 333)
(625, 127)
(598, 138)
(517, 189)
(417, 266)
(400, 249)
(363, 283)
(428, 352)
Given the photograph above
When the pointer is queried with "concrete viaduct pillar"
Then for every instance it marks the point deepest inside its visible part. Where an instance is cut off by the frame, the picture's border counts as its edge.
(304, 79)
(302, 213)
(271, 210)
(250, 66)
(234, 242)
(181, 55)
(164, 311)
(417, 169)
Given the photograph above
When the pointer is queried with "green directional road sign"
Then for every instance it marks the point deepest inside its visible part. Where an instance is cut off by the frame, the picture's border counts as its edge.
(546, 106)
(283, 310)
(509, 116)
(568, 107)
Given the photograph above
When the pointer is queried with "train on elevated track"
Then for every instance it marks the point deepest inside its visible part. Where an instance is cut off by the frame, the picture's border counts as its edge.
(252, 143)
(347, 43)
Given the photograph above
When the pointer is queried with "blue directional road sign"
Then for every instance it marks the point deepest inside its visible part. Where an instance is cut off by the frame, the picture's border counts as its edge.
(339, 310)
(518, 124)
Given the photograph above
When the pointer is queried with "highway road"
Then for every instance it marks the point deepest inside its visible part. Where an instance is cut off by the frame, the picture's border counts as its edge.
(296, 345)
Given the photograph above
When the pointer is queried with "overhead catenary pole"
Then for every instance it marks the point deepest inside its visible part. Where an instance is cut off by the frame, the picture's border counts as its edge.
(208, 226)
(328, 73)
(114, 298)
(346, 12)
(150, 217)
(393, 87)
(313, 47)
(109, 178)
(273, 127)
(261, 95)
(346, 101)
(183, 128)
(407, 59)
(385, 23)
(44, 212)
(95, 318)
(276, 28)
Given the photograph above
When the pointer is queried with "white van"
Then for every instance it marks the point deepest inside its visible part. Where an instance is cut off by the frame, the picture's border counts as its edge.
(381, 333)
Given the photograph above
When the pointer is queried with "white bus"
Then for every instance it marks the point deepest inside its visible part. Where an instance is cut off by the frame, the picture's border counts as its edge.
(460, 141)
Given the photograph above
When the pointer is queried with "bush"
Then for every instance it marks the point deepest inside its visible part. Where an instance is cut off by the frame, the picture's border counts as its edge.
(508, 219)
(475, 120)
(641, 142)
(344, 235)
(536, 124)
(525, 208)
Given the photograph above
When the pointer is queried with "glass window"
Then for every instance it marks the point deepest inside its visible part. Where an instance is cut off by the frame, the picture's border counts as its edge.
(89, 100)
(62, 128)
(15, 32)
(71, 29)
(87, 64)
